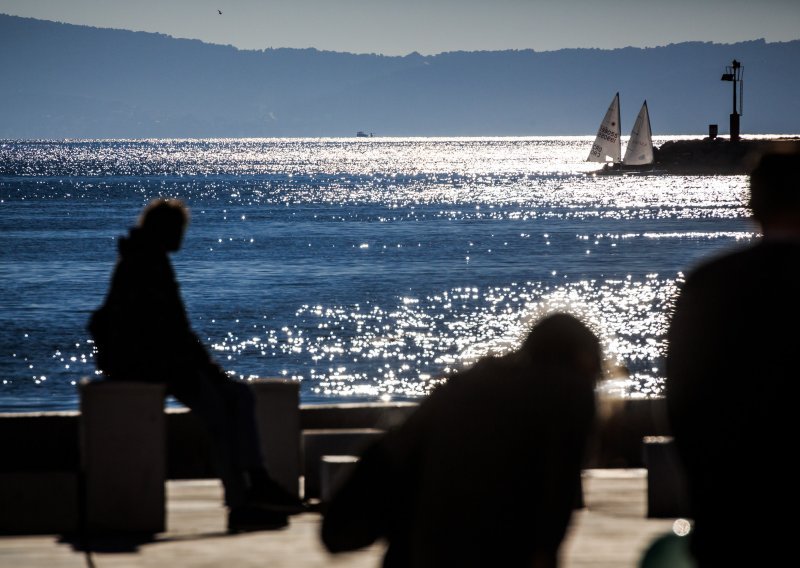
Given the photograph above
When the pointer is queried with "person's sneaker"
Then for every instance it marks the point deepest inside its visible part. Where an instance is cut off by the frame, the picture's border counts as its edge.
(273, 497)
(253, 518)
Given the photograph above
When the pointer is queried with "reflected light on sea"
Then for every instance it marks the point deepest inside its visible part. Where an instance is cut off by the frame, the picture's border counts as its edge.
(367, 269)
(409, 349)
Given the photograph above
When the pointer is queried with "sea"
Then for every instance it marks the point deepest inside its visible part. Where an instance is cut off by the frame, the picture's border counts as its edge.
(366, 269)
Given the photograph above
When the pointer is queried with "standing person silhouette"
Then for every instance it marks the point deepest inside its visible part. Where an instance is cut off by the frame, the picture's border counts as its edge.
(732, 382)
(486, 471)
(142, 333)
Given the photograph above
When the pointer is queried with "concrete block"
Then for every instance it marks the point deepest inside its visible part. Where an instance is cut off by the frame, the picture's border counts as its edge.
(334, 471)
(123, 456)
(318, 443)
(278, 415)
(43, 502)
(380, 415)
(39, 441)
(189, 450)
(666, 481)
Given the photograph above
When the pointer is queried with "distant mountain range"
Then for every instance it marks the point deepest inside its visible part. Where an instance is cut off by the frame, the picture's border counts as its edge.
(67, 81)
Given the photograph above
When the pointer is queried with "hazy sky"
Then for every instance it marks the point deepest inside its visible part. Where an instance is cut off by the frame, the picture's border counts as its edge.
(398, 27)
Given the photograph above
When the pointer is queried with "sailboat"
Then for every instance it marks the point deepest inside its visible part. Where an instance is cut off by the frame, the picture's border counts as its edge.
(607, 143)
(607, 147)
(639, 151)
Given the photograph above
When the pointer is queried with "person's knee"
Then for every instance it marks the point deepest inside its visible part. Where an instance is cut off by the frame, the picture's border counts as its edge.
(240, 394)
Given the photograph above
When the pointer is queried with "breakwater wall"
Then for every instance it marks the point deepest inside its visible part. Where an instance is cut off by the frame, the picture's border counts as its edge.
(718, 156)
(49, 441)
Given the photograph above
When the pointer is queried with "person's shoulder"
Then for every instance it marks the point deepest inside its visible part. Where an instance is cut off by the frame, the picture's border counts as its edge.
(762, 251)
(492, 378)
(485, 367)
(723, 265)
(461, 383)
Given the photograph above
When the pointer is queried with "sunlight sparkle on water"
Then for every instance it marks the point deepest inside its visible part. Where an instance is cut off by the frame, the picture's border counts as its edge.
(411, 348)
(361, 268)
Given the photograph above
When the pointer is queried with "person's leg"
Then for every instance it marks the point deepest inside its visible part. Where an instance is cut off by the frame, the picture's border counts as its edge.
(203, 396)
(245, 439)
(227, 408)
(227, 413)
(261, 488)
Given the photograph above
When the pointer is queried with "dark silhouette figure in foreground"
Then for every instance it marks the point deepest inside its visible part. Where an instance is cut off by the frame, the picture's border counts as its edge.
(142, 333)
(486, 472)
(732, 383)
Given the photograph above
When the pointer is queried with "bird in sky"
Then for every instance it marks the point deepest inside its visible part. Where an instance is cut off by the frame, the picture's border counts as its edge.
(220, 12)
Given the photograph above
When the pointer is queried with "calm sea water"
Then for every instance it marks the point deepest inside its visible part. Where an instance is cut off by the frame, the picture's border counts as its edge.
(366, 269)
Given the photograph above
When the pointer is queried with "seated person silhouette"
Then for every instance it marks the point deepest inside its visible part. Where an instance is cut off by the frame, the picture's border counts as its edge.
(142, 333)
(733, 382)
(486, 471)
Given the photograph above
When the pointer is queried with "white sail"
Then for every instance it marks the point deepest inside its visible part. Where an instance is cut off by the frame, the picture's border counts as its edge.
(640, 146)
(607, 143)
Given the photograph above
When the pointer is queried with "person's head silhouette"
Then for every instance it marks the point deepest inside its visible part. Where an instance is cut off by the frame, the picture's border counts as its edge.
(775, 193)
(561, 341)
(164, 222)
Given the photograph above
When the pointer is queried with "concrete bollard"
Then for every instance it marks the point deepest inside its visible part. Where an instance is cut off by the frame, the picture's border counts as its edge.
(278, 416)
(334, 471)
(123, 456)
(666, 482)
(318, 443)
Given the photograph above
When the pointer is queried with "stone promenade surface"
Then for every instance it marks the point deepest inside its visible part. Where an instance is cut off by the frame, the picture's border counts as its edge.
(612, 531)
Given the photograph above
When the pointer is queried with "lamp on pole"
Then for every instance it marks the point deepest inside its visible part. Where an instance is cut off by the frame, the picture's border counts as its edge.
(733, 73)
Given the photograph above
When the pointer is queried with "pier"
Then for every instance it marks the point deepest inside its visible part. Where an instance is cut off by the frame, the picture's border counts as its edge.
(611, 531)
(613, 528)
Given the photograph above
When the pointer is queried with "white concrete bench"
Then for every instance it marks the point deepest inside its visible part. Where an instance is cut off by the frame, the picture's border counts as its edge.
(278, 413)
(39, 473)
(334, 471)
(123, 449)
(331, 442)
(666, 481)
(123, 456)
(39, 502)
